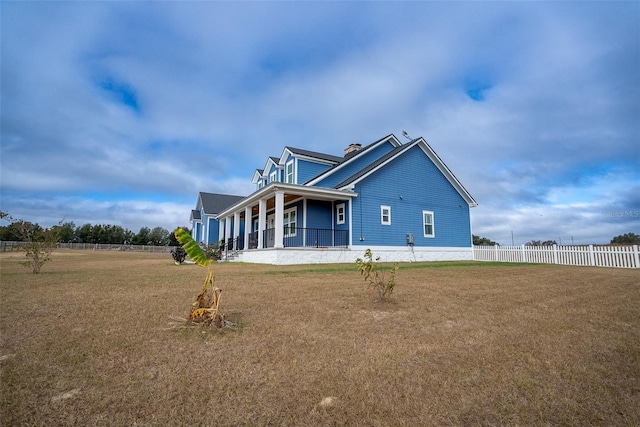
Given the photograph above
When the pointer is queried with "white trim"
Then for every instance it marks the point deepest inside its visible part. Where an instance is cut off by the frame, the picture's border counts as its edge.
(389, 138)
(344, 213)
(300, 190)
(424, 224)
(350, 222)
(446, 172)
(287, 214)
(293, 172)
(382, 215)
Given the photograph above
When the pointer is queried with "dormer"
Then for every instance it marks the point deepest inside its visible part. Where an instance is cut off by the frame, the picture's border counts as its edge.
(299, 165)
(258, 178)
(272, 171)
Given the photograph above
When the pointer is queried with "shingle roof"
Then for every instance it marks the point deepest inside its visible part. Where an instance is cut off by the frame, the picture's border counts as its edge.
(373, 165)
(214, 203)
(195, 214)
(315, 154)
(349, 156)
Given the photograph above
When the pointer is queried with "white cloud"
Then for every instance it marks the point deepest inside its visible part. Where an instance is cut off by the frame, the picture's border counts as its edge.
(221, 86)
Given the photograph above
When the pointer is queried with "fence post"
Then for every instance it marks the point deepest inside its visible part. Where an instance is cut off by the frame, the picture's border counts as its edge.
(496, 251)
(636, 257)
(555, 254)
(592, 261)
(524, 258)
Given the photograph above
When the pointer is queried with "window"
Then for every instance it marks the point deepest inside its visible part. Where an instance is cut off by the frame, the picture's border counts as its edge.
(340, 213)
(272, 177)
(385, 215)
(290, 172)
(290, 222)
(427, 220)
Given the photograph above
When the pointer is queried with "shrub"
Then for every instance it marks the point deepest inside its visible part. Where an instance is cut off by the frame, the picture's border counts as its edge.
(375, 276)
(179, 255)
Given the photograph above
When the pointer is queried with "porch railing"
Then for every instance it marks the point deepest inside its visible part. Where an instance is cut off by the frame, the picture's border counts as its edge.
(299, 237)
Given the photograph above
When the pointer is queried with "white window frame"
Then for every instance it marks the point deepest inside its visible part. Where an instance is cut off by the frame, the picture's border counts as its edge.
(272, 176)
(287, 222)
(425, 223)
(382, 215)
(340, 213)
(289, 177)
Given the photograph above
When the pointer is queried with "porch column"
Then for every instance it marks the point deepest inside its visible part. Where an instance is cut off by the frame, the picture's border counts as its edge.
(262, 221)
(221, 222)
(279, 232)
(236, 229)
(247, 226)
(350, 240)
(227, 231)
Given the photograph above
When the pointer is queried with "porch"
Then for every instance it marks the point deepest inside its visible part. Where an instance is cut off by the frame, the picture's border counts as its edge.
(287, 216)
(294, 237)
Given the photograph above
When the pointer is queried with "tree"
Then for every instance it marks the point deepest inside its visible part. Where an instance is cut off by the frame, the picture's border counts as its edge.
(172, 237)
(142, 238)
(159, 236)
(626, 239)
(541, 243)
(67, 232)
(483, 241)
(85, 233)
(39, 242)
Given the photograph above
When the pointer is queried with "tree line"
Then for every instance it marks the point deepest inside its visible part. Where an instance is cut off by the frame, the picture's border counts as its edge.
(68, 232)
(623, 239)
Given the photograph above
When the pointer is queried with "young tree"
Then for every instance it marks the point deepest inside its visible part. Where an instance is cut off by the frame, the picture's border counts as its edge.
(39, 242)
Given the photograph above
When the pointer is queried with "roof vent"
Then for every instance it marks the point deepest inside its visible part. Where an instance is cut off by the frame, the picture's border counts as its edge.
(352, 148)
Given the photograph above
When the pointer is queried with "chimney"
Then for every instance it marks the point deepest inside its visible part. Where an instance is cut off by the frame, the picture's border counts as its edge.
(352, 148)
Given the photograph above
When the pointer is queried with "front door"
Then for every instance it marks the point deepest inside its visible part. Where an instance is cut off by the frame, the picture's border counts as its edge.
(271, 230)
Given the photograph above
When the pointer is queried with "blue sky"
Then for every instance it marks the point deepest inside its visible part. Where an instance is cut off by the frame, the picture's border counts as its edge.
(121, 112)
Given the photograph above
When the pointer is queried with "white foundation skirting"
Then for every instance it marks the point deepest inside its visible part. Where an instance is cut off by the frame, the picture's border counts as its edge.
(288, 256)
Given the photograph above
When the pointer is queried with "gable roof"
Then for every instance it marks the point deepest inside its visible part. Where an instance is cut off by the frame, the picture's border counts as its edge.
(372, 166)
(195, 215)
(398, 151)
(214, 203)
(312, 155)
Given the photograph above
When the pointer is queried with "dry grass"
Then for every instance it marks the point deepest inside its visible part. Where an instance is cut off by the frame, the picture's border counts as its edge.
(85, 343)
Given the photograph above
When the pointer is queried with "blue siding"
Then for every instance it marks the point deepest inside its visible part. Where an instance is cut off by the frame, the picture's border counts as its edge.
(364, 160)
(409, 185)
(272, 169)
(214, 231)
(198, 233)
(344, 226)
(319, 214)
(307, 170)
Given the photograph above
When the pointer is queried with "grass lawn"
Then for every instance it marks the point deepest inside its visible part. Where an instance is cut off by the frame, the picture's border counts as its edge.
(88, 342)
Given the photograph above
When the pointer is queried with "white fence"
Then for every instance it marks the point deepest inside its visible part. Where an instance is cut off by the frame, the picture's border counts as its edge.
(14, 246)
(598, 256)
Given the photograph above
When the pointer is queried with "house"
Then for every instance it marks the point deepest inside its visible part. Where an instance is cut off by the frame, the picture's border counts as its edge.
(204, 225)
(399, 200)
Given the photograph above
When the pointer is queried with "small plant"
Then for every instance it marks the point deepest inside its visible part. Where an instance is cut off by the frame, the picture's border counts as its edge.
(206, 308)
(375, 276)
(212, 251)
(39, 242)
(178, 254)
